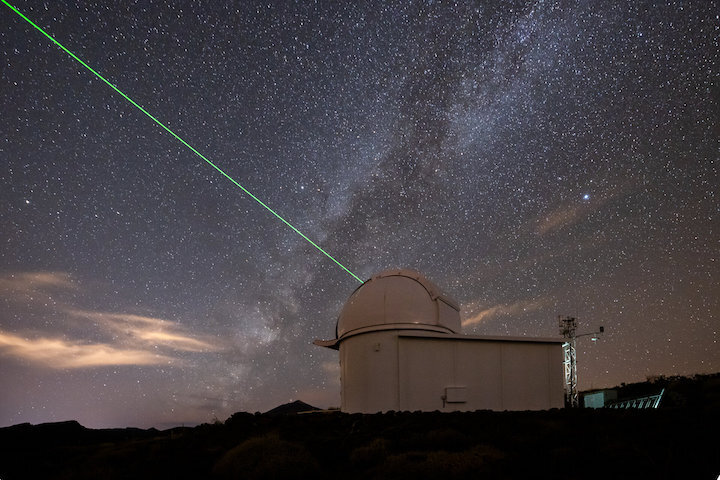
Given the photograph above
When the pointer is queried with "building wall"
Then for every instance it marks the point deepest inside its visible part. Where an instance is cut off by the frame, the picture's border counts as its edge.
(599, 399)
(395, 370)
(368, 373)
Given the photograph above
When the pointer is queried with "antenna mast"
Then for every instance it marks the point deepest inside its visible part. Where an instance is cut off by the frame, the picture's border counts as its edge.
(568, 326)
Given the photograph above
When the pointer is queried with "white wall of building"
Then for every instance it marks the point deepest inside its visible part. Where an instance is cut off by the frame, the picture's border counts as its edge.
(411, 370)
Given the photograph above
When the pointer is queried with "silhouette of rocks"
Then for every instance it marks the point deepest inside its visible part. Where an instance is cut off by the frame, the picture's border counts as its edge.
(560, 444)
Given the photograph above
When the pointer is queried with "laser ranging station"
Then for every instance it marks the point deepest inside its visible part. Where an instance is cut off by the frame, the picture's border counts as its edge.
(401, 348)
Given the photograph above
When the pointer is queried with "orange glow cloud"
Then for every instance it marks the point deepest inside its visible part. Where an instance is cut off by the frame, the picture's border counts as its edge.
(60, 353)
(522, 306)
(150, 330)
(129, 339)
(32, 281)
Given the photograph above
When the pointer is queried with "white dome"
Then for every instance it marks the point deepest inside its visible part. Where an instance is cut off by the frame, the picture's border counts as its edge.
(398, 299)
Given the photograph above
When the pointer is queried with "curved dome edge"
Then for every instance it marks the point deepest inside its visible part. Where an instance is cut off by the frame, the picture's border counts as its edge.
(375, 304)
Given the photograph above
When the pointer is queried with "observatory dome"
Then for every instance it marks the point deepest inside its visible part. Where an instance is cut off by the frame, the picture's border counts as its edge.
(398, 299)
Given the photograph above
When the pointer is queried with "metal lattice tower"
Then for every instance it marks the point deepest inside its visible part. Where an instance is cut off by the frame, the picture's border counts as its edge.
(568, 327)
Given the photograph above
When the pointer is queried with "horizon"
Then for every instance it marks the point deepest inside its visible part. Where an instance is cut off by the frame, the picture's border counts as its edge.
(165, 427)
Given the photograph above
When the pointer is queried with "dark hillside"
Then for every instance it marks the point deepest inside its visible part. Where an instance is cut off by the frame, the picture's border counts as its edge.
(290, 408)
(559, 444)
(699, 391)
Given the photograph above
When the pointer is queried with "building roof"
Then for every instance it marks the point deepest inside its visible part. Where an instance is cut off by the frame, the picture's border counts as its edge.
(396, 299)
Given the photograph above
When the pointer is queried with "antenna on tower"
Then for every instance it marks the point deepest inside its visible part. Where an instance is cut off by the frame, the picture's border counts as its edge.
(568, 328)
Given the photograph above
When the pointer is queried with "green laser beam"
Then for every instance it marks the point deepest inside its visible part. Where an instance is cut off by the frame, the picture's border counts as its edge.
(52, 39)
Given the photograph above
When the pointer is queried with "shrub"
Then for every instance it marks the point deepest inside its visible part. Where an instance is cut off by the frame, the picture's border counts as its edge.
(266, 457)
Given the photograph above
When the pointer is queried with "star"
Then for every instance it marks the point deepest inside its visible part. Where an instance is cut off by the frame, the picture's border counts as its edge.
(532, 162)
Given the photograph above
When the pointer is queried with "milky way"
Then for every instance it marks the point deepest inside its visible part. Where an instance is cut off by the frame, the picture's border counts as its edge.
(531, 158)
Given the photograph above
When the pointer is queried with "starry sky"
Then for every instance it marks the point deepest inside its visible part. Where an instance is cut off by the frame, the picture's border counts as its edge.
(533, 159)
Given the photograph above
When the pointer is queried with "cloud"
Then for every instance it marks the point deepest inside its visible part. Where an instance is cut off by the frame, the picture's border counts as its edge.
(118, 338)
(148, 330)
(34, 287)
(522, 306)
(35, 281)
(560, 218)
(571, 213)
(60, 353)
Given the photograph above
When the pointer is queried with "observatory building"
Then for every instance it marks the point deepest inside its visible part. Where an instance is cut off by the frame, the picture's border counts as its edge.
(401, 348)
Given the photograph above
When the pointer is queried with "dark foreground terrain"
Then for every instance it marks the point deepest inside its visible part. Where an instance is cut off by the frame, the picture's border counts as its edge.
(555, 444)
(674, 442)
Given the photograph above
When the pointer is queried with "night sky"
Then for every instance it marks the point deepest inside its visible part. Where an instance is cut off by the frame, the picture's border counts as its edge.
(533, 159)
